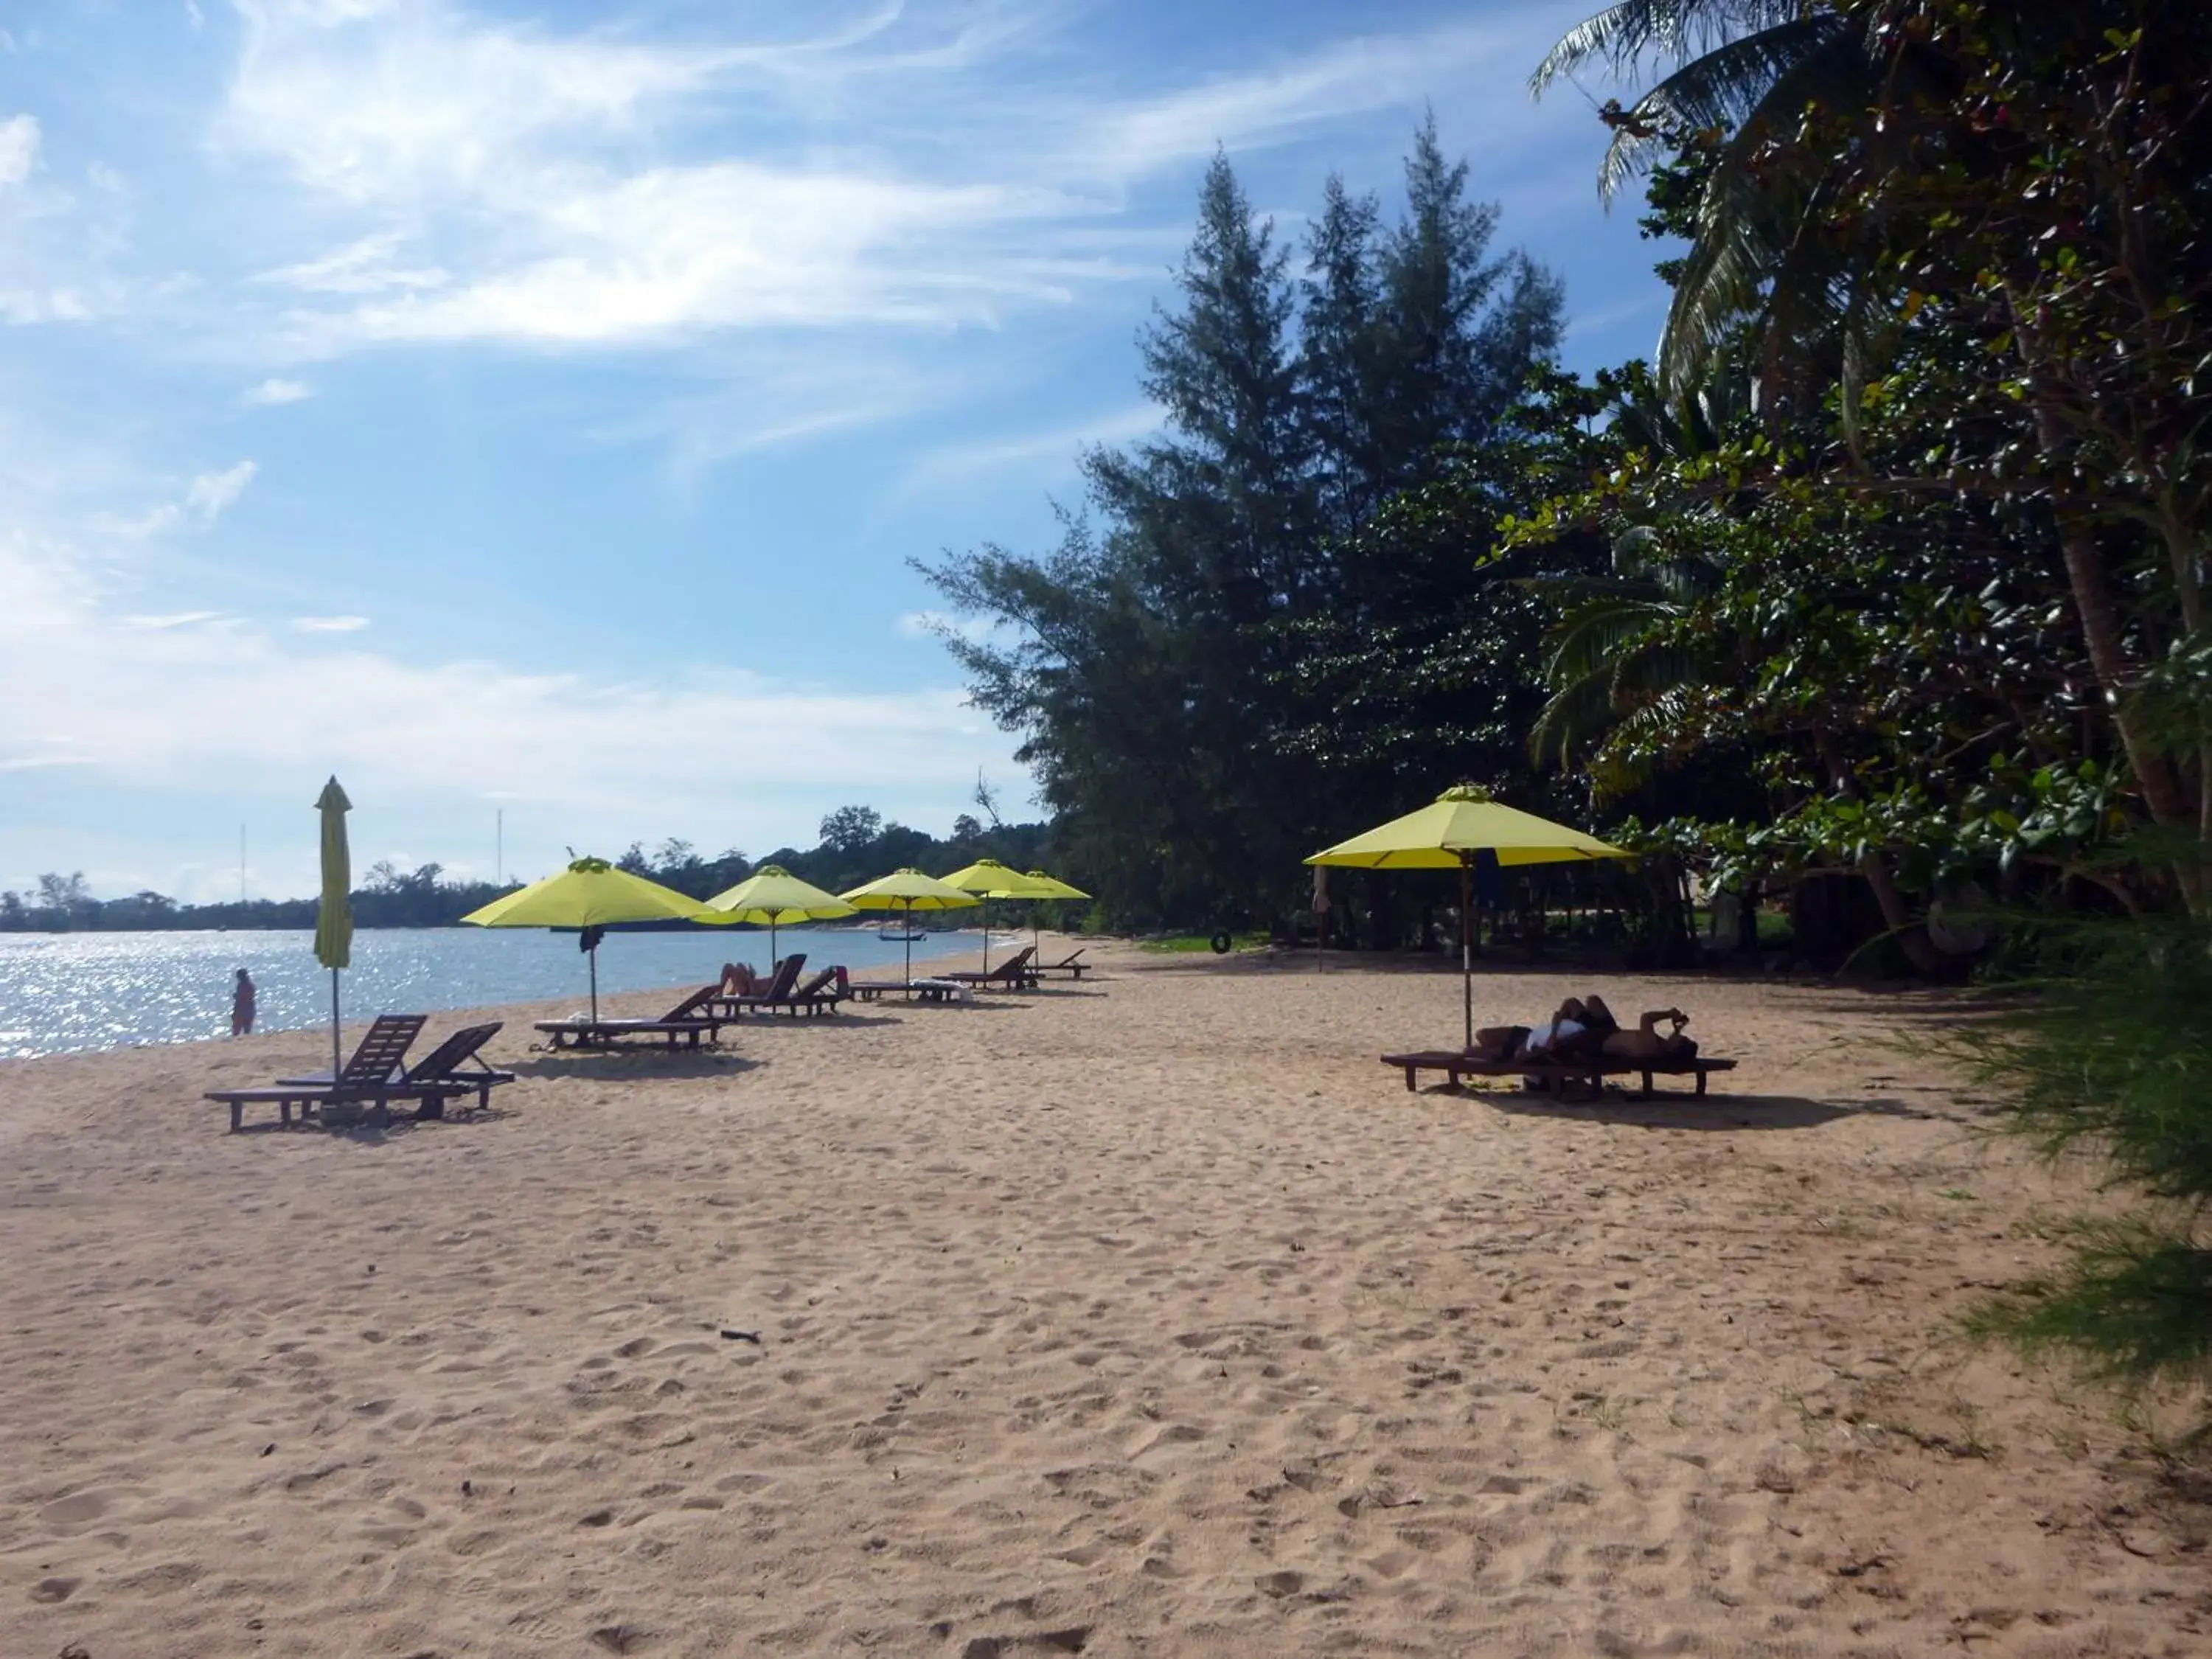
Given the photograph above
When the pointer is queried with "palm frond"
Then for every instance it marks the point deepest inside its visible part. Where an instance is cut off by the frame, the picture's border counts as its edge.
(1718, 90)
(1623, 34)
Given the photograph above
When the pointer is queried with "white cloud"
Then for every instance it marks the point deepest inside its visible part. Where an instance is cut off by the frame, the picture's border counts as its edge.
(19, 148)
(582, 188)
(365, 266)
(328, 624)
(168, 701)
(934, 624)
(54, 305)
(206, 498)
(1049, 454)
(274, 391)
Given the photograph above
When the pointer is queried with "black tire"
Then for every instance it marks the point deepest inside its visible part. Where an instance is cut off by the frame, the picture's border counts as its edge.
(1221, 943)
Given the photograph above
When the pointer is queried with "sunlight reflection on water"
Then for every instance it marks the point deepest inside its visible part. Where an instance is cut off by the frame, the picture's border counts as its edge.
(62, 992)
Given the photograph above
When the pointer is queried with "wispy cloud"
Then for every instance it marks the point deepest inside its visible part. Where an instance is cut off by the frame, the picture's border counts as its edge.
(19, 148)
(363, 266)
(156, 701)
(274, 391)
(206, 498)
(583, 188)
(1056, 453)
(328, 624)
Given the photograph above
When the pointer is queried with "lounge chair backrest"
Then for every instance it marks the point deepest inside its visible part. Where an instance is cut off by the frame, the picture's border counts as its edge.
(693, 1005)
(456, 1051)
(786, 976)
(1012, 966)
(815, 987)
(381, 1051)
(1067, 961)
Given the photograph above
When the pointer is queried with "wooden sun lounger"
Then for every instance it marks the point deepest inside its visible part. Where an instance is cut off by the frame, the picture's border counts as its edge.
(365, 1078)
(819, 995)
(777, 995)
(1067, 965)
(690, 1020)
(924, 990)
(1591, 1071)
(454, 1068)
(1014, 973)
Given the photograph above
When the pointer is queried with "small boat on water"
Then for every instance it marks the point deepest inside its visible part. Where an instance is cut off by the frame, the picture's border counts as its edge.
(900, 935)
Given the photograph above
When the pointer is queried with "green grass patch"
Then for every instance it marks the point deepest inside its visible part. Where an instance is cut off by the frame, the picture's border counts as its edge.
(1200, 944)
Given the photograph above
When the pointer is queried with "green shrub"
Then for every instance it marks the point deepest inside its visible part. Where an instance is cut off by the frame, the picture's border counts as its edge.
(2112, 1059)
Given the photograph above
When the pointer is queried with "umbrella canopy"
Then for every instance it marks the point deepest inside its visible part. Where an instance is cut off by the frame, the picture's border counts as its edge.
(589, 894)
(1051, 887)
(334, 915)
(1460, 823)
(773, 894)
(1055, 887)
(907, 891)
(1449, 834)
(993, 880)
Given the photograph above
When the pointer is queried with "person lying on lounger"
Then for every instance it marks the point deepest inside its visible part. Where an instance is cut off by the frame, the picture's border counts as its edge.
(1580, 1025)
(1644, 1043)
(738, 980)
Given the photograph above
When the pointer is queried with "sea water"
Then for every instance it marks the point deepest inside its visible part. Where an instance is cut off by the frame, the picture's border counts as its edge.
(61, 992)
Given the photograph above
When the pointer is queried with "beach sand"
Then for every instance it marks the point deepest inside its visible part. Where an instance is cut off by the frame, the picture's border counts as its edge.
(1146, 1316)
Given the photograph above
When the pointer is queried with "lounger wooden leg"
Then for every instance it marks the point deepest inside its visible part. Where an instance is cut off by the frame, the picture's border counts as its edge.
(1701, 1083)
(237, 1113)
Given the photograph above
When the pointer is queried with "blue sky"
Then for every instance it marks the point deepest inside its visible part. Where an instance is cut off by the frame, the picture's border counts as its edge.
(530, 408)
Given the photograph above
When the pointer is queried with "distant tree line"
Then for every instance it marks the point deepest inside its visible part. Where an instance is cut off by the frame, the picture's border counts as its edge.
(857, 844)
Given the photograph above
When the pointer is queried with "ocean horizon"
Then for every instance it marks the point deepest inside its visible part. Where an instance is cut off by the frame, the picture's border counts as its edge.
(73, 992)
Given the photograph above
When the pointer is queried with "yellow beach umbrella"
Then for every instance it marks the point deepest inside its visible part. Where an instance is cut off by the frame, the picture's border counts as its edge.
(589, 896)
(993, 880)
(773, 894)
(1451, 832)
(1052, 888)
(334, 914)
(908, 892)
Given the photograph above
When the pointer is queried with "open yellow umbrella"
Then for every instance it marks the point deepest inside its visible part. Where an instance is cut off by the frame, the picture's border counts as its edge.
(907, 891)
(1052, 887)
(773, 894)
(589, 896)
(1450, 833)
(993, 880)
(334, 914)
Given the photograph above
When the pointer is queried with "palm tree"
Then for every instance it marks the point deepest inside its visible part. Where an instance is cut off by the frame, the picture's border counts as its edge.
(1747, 75)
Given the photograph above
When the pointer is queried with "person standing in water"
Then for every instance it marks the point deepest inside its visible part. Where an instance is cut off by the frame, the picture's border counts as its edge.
(241, 1006)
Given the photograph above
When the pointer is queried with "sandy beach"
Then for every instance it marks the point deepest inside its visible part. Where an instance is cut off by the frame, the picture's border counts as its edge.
(1145, 1316)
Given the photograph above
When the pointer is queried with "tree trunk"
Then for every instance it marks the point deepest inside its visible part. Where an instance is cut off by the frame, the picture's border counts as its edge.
(1910, 936)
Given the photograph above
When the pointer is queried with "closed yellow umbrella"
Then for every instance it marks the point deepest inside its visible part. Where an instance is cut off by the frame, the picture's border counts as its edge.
(907, 891)
(773, 894)
(1450, 833)
(589, 896)
(993, 880)
(334, 912)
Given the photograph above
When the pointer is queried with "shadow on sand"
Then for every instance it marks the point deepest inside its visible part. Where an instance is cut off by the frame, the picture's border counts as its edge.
(642, 1064)
(1688, 1111)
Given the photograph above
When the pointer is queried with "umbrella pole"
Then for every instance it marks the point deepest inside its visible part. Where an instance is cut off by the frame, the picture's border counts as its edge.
(593, 954)
(1466, 946)
(334, 1028)
(909, 931)
(987, 933)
